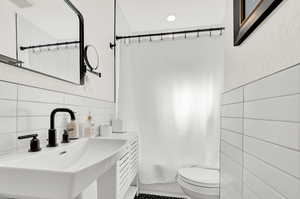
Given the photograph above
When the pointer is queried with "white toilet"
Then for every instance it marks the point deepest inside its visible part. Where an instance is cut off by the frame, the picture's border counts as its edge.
(199, 183)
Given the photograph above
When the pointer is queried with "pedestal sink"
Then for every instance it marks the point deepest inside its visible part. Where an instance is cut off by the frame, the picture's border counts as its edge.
(58, 173)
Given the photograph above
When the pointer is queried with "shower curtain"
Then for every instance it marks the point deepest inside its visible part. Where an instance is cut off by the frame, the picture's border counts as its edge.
(169, 92)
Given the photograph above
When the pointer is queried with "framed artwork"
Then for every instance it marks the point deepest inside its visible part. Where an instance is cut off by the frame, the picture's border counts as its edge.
(248, 14)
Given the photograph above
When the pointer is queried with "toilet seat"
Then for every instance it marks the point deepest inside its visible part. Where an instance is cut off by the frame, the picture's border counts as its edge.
(199, 183)
(201, 177)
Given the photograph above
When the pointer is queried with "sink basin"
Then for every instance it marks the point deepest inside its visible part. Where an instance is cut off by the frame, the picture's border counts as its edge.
(59, 173)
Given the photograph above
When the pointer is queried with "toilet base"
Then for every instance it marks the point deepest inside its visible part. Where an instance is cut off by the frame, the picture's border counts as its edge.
(198, 192)
(195, 195)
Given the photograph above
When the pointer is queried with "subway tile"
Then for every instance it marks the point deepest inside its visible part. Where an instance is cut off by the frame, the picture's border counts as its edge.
(40, 95)
(8, 91)
(283, 83)
(233, 96)
(7, 142)
(36, 109)
(36, 123)
(233, 152)
(248, 194)
(282, 108)
(232, 124)
(285, 159)
(259, 188)
(8, 108)
(31, 113)
(231, 178)
(283, 183)
(7, 125)
(232, 110)
(281, 133)
(232, 138)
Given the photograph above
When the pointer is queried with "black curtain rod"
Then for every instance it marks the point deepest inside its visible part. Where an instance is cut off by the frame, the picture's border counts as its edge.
(48, 45)
(171, 33)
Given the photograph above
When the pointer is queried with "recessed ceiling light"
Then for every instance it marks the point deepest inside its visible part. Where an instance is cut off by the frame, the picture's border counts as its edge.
(171, 18)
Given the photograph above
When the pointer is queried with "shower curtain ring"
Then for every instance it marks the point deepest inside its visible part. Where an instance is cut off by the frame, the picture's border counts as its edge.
(150, 38)
(198, 34)
(210, 33)
(185, 35)
(221, 32)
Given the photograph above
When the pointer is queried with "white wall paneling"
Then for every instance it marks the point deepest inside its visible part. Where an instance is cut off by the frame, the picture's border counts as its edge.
(26, 110)
(262, 137)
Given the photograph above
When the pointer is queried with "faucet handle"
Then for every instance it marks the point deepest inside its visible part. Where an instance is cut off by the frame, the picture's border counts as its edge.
(65, 137)
(34, 143)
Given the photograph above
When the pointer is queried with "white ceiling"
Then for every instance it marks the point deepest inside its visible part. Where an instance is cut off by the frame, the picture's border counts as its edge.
(150, 15)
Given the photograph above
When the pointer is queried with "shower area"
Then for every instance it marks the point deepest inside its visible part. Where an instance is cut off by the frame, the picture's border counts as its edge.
(168, 91)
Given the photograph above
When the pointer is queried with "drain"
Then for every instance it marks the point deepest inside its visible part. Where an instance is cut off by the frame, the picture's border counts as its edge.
(63, 152)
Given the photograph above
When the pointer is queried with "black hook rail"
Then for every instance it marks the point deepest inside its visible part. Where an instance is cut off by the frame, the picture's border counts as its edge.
(171, 33)
(49, 45)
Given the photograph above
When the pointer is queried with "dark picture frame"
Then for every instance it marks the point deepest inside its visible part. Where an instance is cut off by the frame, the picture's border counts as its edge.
(245, 25)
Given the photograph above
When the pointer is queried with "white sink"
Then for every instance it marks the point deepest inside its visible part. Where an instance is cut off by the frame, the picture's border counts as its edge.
(59, 173)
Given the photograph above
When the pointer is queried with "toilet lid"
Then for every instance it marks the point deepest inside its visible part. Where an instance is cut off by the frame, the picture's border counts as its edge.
(200, 176)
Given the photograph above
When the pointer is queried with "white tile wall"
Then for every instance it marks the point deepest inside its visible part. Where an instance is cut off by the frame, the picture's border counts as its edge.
(263, 137)
(26, 110)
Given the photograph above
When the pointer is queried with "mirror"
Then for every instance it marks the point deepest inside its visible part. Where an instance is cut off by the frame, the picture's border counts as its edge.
(248, 15)
(50, 42)
(91, 57)
(248, 7)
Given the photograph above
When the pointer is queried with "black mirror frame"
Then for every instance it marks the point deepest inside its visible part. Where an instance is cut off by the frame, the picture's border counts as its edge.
(81, 41)
(243, 29)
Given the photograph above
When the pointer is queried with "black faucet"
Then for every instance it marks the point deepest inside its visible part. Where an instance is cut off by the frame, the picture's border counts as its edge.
(52, 142)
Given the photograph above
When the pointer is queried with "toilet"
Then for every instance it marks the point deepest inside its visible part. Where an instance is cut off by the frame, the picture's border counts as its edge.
(199, 183)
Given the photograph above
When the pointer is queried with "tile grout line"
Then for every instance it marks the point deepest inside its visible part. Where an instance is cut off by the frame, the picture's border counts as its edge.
(258, 158)
(17, 117)
(56, 91)
(262, 78)
(272, 97)
(246, 169)
(243, 143)
(273, 143)
(260, 139)
(271, 165)
(265, 183)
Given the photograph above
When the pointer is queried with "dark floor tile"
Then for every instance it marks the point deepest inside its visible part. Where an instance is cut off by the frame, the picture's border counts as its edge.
(148, 196)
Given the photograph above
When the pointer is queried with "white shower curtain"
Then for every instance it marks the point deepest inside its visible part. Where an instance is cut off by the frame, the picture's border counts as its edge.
(169, 92)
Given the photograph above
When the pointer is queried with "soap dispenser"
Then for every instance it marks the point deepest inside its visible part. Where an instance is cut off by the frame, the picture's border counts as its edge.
(88, 127)
(72, 130)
